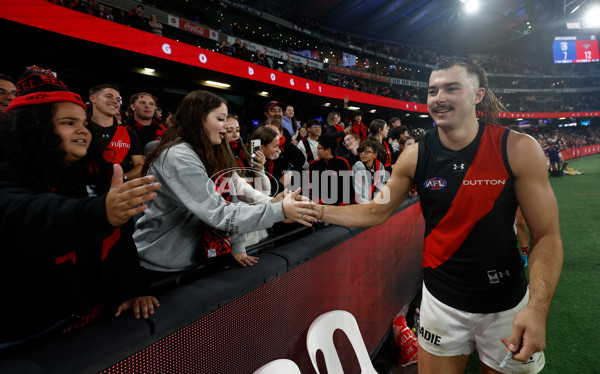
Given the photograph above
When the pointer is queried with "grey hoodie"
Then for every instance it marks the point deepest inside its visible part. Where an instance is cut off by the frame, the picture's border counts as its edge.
(171, 229)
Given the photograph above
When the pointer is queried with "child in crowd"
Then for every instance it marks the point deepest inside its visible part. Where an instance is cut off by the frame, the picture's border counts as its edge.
(369, 173)
(72, 257)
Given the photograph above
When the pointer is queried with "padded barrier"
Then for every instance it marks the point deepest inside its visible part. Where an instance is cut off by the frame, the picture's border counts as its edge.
(235, 321)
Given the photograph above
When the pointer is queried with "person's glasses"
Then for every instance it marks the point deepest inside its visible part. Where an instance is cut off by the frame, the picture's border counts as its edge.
(4, 92)
(367, 151)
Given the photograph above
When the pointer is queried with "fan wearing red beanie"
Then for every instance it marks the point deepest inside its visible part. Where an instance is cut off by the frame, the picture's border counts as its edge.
(72, 258)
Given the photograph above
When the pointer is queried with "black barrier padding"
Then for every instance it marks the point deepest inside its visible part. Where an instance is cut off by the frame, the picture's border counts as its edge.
(88, 350)
(307, 247)
(21, 367)
(211, 292)
(111, 342)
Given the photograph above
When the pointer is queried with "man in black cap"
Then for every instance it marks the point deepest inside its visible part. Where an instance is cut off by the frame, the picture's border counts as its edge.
(274, 109)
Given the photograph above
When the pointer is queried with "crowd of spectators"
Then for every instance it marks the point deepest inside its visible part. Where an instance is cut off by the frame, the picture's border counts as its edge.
(551, 104)
(567, 137)
(417, 57)
(112, 152)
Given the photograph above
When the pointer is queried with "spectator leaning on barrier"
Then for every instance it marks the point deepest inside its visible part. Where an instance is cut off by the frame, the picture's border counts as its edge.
(71, 257)
(191, 220)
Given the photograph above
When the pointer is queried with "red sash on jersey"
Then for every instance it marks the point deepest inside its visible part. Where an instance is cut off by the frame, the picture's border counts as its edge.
(119, 146)
(468, 207)
(216, 242)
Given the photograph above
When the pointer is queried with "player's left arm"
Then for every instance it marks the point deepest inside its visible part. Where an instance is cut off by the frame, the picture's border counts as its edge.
(538, 204)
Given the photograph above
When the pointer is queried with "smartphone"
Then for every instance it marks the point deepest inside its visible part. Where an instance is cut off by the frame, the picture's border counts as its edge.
(254, 146)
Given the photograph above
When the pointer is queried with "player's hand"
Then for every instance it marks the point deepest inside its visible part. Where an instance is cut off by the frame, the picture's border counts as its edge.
(528, 334)
(301, 211)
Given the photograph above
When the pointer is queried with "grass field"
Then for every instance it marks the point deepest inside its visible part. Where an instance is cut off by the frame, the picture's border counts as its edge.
(573, 335)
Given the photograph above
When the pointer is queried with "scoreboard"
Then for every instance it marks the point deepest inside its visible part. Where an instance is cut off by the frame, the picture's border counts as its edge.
(568, 49)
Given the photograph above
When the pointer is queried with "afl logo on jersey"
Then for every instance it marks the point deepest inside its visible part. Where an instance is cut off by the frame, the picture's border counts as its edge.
(435, 183)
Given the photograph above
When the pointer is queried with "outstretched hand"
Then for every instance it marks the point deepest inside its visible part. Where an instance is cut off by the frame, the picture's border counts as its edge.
(244, 260)
(297, 208)
(125, 200)
(141, 306)
(528, 334)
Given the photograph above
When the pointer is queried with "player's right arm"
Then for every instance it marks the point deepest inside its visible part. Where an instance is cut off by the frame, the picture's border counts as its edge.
(385, 203)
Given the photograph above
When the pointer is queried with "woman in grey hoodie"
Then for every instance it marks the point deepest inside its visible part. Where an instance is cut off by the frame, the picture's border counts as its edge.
(196, 209)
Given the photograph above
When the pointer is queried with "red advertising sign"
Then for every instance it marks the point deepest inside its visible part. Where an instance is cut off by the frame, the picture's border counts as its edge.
(192, 27)
(570, 153)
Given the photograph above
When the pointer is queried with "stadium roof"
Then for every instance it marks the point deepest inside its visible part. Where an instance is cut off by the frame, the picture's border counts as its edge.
(442, 23)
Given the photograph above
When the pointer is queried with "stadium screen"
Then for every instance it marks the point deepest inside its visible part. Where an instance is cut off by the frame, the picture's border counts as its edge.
(584, 123)
(575, 49)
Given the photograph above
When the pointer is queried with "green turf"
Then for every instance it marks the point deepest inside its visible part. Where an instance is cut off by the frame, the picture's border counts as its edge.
(573, 335)
(573, 344)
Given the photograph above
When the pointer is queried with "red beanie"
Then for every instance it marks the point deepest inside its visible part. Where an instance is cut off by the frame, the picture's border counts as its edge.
(40, 86)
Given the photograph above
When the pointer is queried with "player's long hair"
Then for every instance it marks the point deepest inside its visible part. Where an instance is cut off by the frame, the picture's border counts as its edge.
(489, 107)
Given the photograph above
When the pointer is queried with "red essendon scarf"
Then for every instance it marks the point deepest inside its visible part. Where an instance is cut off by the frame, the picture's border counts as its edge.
(216, 242)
